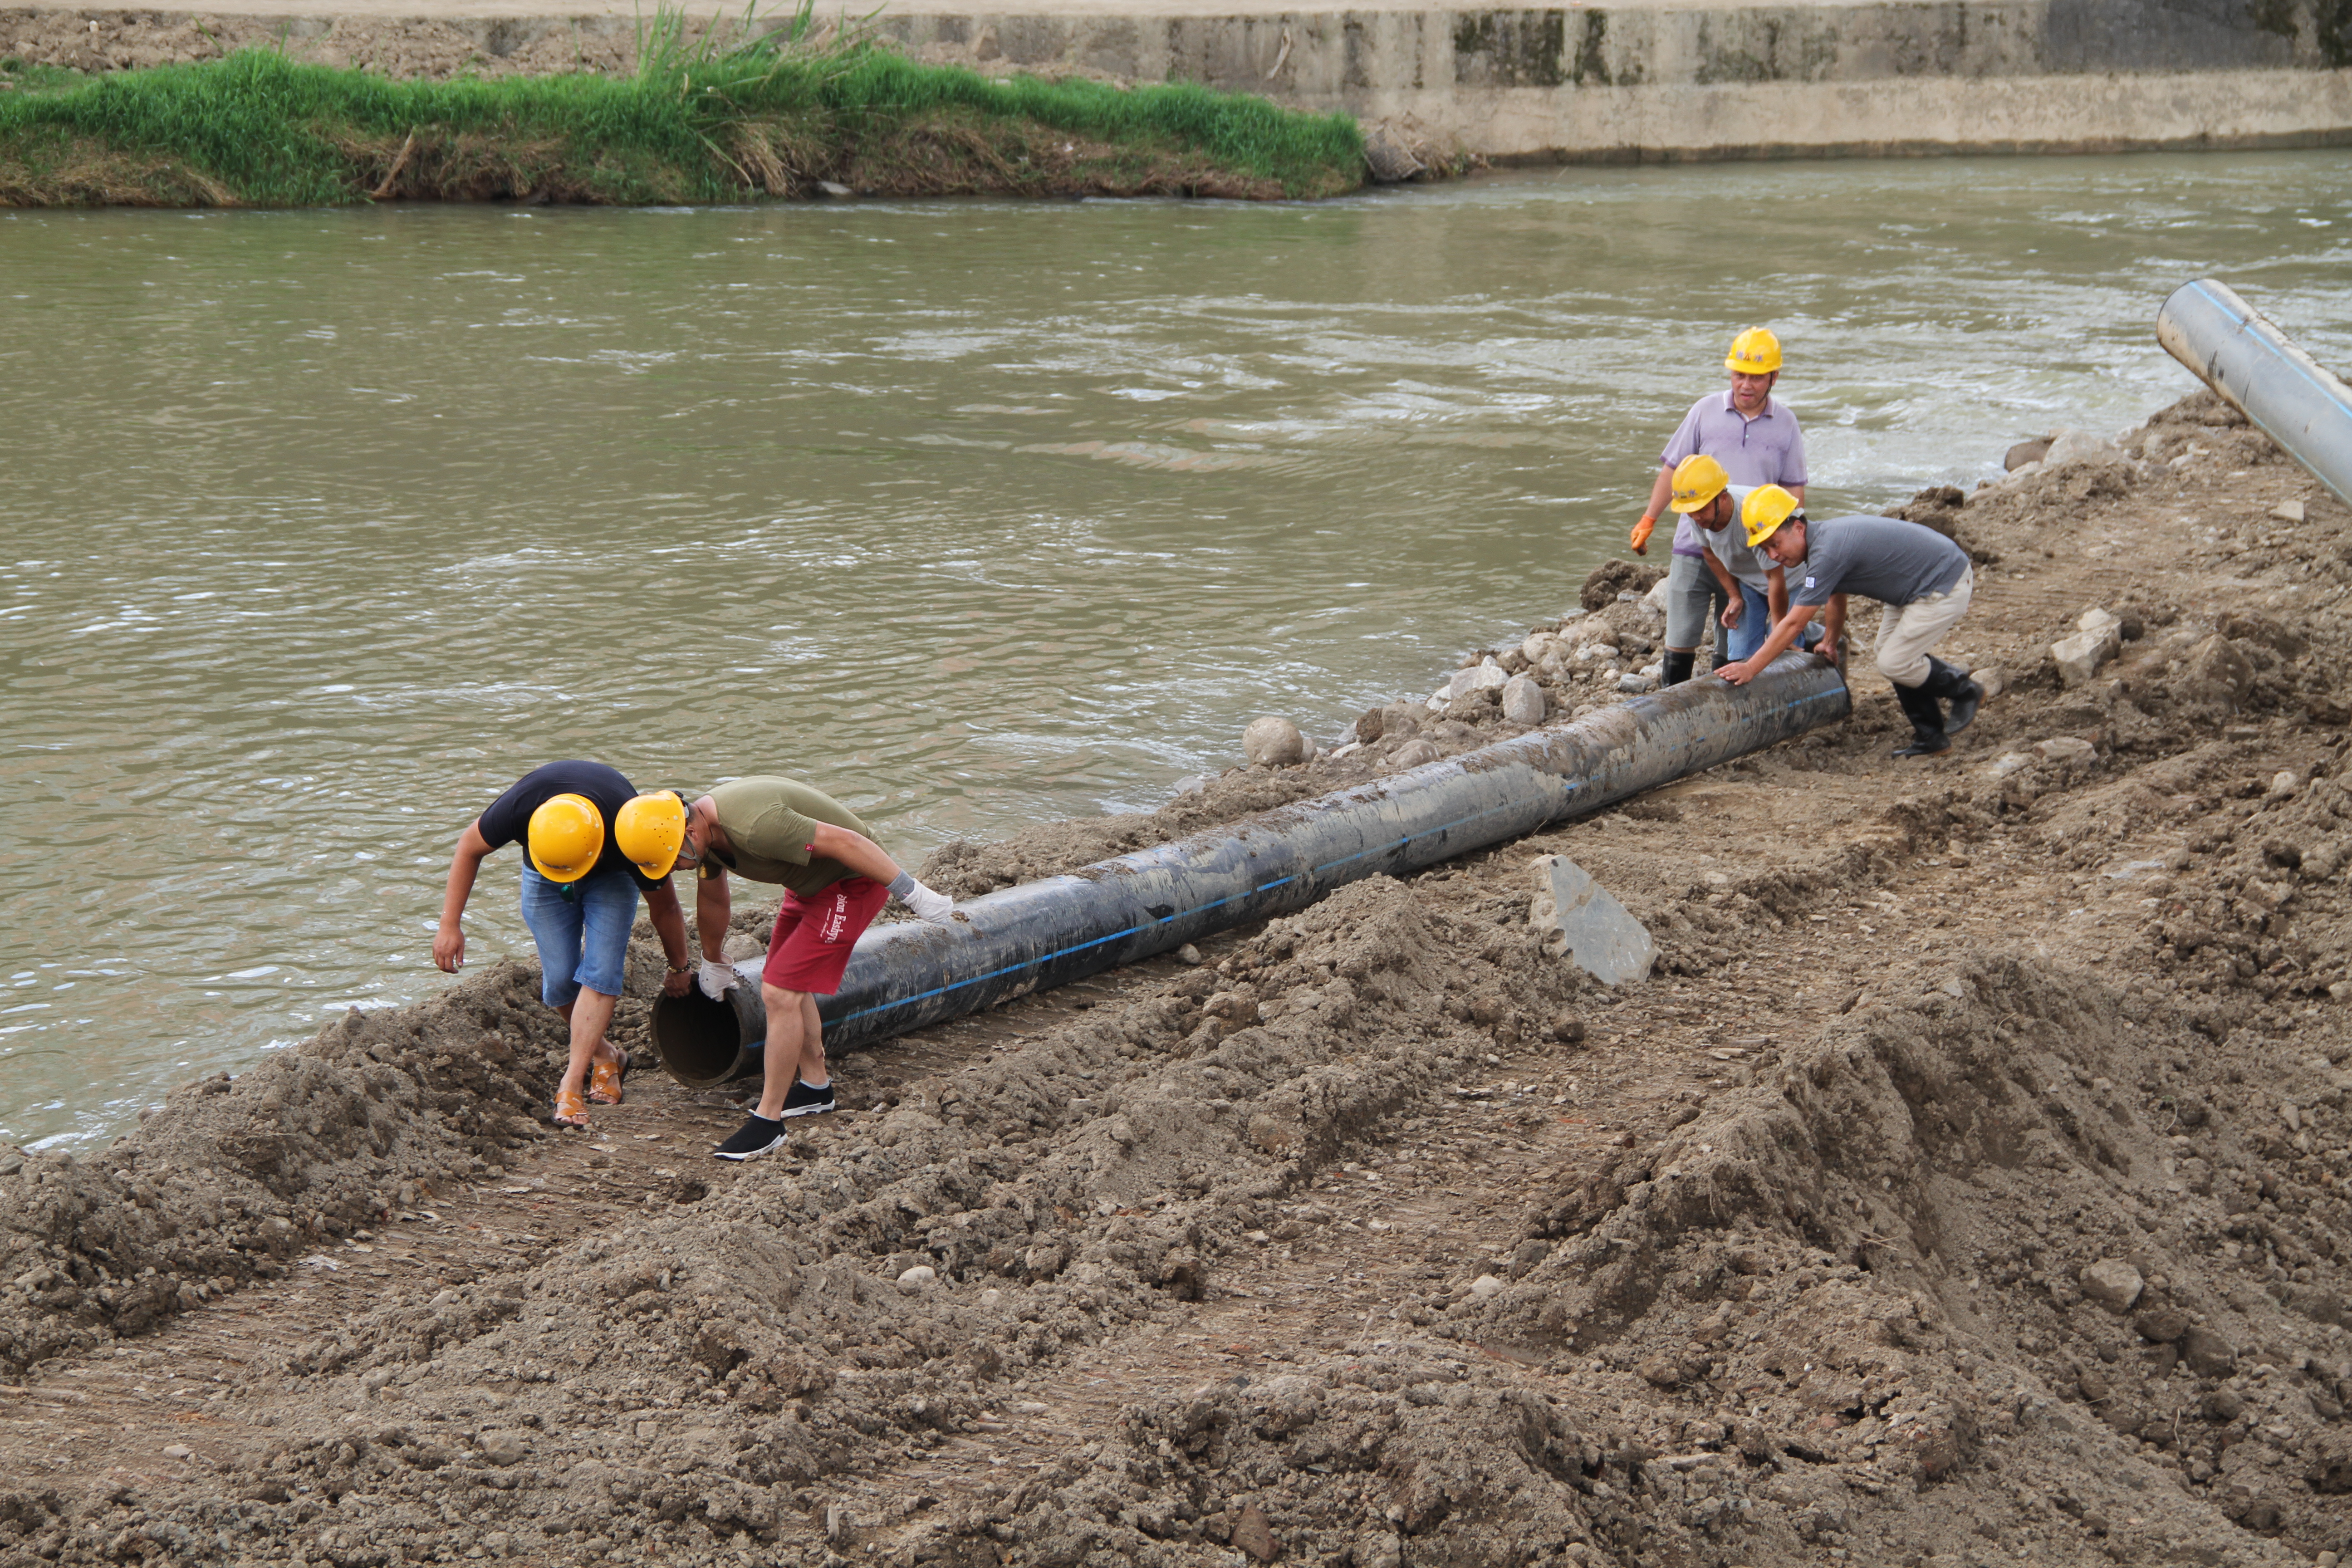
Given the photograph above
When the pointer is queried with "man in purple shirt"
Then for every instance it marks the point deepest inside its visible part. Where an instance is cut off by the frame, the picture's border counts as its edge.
(1755, 439)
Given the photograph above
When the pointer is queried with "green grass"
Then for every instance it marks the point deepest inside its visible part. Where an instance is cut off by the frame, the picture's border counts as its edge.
(695, 123)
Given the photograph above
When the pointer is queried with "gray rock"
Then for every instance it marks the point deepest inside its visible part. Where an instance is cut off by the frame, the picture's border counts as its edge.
(2070, 447)
(11, 1162)
(1416, 754)
(1523, 700)
(1272, 742)
(2160, 1323)
(2084, 654)
(1992, 682)
(2111, 1283)
(831, 188)
(1486, 677)
(1636, 681)
(921, 1276)
(503, 1448)
(1485, 1285)
(2070, 752)
(1192, 955)
(178, 1451)
(1580, 921)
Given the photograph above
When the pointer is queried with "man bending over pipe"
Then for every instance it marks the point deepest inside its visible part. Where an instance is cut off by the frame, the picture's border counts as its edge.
(1757, 589)
(836, 881)
(1757, 441)
(1923, 579)
(593, 844)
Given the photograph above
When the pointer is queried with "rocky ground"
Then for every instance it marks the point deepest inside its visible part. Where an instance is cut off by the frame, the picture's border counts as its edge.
(1964, 1187)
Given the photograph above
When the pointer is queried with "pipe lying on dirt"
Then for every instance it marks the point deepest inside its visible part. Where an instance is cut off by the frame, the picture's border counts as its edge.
(2258, 371)
(1048, 932)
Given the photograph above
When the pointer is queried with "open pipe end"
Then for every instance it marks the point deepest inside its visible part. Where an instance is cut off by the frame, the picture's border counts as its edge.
(704, 1044)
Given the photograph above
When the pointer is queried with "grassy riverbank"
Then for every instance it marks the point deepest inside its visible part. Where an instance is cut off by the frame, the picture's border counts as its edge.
(259, 130)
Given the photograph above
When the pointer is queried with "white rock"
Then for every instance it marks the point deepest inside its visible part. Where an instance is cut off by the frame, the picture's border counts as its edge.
(2083, 655)
(921, 1276)
(1993, 681)
(2067, 751)
(1485, 1285)
(2023, 470)
(1486, 677)
(1635, 681)
(177, 1451)
(1580, 921)
(1656, 596)
(1523, 700)
(1350, 748)
(2288, 511)
(2284, 784)
(2113, 1283)
(2096, 619)
(1536, 645)
(2009, 762)
(1190, 954)
(1438, 699)
(1272, 742)
(2073, 447)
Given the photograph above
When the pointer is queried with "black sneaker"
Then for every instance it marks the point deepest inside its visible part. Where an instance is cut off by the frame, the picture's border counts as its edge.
(802, 1101)
(758, 1135)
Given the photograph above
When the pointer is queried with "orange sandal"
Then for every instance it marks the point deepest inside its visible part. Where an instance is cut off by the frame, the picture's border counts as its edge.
(605, 1080)
(571, 1110)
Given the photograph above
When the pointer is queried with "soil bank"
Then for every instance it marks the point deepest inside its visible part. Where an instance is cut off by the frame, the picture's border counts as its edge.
(1965, 1186)
(1626, 80)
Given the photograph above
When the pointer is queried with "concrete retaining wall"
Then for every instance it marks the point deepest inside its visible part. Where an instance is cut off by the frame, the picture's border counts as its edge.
(1620, 82)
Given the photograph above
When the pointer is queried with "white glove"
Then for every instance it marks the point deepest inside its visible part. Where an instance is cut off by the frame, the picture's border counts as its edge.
(716, 979)
(934, 906)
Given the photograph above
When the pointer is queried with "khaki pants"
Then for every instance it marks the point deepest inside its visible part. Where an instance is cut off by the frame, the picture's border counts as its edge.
(1908, 631)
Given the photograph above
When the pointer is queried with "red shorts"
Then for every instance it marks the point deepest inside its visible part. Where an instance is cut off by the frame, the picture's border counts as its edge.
(809, 946)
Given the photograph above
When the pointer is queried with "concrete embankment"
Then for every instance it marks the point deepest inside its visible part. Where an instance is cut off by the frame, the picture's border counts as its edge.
(1615, 82)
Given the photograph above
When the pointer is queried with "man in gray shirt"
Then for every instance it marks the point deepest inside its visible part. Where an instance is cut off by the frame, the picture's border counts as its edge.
(1923, 579)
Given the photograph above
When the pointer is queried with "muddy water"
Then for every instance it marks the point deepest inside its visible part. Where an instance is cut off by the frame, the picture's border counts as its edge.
(322, 527)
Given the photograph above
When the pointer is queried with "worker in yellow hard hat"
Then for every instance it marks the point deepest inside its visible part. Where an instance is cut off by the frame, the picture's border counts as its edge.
(1756, 591)
(1755, 440)
(1922, 578)
(593, 844)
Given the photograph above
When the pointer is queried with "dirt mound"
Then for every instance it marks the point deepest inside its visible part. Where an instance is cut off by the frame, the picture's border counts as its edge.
(1611, 578)
(1964, 1186)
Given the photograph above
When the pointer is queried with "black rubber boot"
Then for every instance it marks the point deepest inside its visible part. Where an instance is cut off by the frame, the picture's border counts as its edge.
(1928, 737)
(1676, 668)
(1963, 694)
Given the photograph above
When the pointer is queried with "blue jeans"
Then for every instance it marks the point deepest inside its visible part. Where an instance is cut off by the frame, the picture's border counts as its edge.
(582, 930)
(1756, 625)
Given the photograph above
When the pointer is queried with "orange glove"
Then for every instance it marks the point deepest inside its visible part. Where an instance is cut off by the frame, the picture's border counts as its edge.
(1642, 534)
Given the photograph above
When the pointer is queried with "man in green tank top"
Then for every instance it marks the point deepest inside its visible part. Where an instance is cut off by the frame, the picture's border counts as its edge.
(836, 881)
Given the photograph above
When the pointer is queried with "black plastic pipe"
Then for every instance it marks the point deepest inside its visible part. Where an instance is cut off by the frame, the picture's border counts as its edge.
(1046, 933)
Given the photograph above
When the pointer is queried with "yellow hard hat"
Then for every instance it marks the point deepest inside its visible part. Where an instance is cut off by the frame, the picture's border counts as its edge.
(1698, 479)
(1755, 351)
(650, 831)
(567, 834)
(1769, 506)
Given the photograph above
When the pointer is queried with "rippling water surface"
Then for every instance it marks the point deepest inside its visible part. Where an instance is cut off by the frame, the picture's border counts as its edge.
(321, 528)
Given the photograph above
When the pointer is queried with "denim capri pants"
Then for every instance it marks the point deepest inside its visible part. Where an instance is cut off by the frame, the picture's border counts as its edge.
(582, 930)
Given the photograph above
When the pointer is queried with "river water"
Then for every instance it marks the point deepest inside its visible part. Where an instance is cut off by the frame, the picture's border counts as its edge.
(321, 527)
